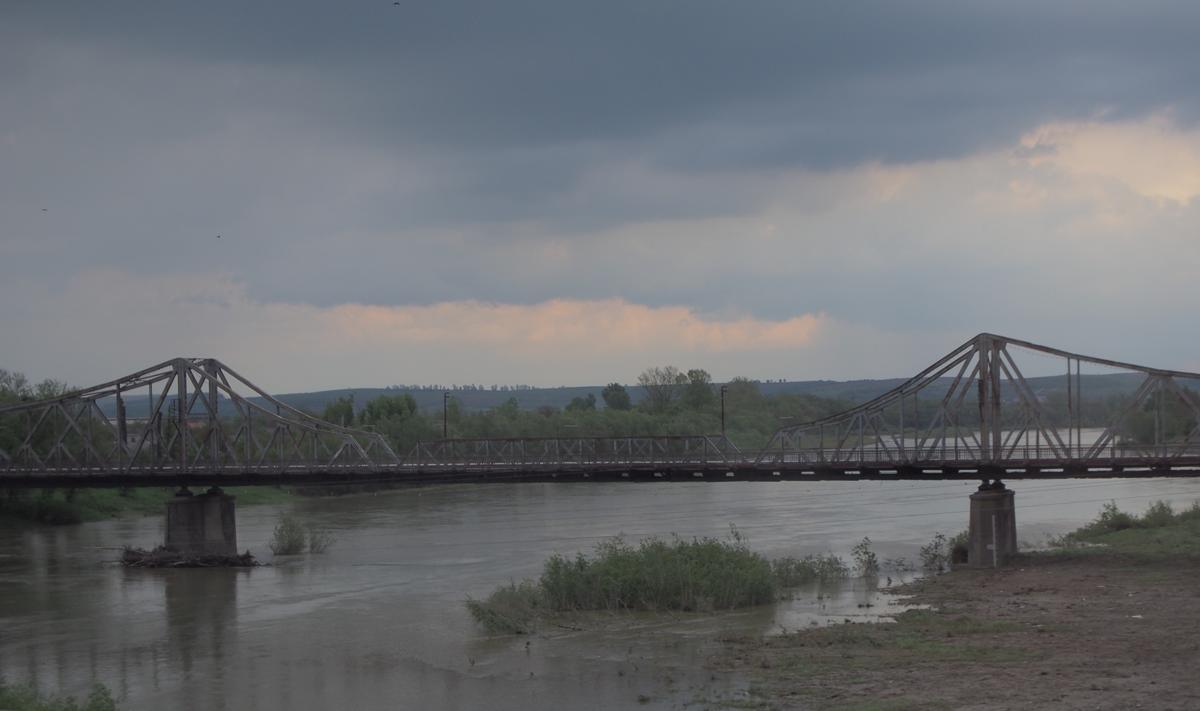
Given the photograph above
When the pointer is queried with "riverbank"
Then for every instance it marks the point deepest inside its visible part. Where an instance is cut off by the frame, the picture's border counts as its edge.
(63, 506)
(1111, 621)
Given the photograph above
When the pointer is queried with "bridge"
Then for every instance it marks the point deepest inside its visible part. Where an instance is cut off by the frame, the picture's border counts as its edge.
(973, 414)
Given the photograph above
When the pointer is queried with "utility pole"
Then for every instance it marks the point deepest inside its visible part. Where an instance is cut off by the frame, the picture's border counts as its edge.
(723, 389)
(445, 413)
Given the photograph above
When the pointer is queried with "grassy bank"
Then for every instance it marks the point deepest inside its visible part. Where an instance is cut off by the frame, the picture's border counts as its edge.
(1158, 533)
(66, 506)
(1108, 618)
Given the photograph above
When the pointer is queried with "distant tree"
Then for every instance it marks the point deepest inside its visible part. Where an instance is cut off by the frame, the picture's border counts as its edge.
(340, 411)
(616, 397)
(743, 393)
(662, 385)
(698, 394)
(509, 409)
(389, 408)
(13, 386)
(582, 404)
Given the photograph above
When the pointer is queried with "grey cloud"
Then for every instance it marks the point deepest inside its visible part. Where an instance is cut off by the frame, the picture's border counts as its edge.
(369, 152)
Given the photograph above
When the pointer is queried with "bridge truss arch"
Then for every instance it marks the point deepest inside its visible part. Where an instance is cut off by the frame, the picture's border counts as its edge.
(975, 408)
(192, 415)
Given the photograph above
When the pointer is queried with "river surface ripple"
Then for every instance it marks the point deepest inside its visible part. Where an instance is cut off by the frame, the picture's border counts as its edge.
(378, 621)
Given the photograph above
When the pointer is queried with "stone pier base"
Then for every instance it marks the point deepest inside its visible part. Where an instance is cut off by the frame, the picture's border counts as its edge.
(992, 539)
(202, 525)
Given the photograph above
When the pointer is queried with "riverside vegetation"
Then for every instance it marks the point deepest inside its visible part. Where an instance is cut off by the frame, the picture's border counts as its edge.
(696, 575)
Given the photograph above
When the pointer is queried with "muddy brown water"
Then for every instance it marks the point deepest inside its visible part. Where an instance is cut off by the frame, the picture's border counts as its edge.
(378, 621)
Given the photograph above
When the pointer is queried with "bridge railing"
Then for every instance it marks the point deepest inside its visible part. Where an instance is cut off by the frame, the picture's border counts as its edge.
(567, 452)
(1048, 456)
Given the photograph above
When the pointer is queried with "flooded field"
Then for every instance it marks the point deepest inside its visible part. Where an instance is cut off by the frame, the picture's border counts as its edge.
(378, 621)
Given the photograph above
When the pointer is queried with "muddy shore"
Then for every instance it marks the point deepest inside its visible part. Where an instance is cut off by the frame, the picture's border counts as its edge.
(1061, 631)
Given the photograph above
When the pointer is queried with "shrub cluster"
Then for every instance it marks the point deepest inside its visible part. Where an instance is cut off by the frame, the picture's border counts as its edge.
(290, 537)
(1160, 514)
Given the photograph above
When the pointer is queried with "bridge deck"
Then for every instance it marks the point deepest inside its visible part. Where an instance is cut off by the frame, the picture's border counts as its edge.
(680, 471)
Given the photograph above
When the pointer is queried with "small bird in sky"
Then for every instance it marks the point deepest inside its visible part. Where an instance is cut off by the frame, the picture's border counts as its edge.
(218, 236)
(44, 210)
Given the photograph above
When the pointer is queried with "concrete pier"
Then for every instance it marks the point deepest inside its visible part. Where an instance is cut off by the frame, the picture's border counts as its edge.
(992, 539)
(202, 525)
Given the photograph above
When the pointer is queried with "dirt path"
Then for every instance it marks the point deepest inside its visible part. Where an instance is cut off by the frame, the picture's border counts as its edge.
(1058, 632)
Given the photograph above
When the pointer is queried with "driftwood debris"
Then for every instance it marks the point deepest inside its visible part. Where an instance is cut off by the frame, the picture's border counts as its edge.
(163, 557)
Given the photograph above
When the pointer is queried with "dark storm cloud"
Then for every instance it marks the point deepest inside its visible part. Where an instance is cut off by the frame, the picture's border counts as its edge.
(770, 82)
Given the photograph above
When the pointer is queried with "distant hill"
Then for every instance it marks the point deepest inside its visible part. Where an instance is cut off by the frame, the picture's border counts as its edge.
(851, 391)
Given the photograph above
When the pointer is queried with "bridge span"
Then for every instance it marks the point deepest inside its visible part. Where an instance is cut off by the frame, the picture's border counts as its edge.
(973, 414)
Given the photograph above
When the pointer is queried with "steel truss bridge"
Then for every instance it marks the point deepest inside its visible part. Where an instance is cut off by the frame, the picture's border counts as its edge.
(971, 415)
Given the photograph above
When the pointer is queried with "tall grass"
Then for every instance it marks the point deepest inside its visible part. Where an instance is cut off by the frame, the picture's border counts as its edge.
(700, 574)
(791, 572)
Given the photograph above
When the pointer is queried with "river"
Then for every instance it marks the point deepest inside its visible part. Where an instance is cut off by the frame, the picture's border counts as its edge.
(378, 621)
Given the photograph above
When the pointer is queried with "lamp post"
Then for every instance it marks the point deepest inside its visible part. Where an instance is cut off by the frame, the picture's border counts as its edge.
(723, 389)
(445, 413)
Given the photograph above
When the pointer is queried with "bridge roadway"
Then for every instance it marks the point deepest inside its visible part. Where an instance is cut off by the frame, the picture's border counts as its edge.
(746, 467)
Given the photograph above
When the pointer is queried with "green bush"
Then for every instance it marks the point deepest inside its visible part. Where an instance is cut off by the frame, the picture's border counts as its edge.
(1158, 515)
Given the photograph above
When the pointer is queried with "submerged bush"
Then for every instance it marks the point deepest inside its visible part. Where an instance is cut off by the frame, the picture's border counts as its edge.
(289, 536)
(866, 563)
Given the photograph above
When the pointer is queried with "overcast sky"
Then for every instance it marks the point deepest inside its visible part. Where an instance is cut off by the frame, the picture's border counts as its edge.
(567, 193)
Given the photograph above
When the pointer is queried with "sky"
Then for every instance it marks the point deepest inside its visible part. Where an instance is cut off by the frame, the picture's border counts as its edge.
(365, 193)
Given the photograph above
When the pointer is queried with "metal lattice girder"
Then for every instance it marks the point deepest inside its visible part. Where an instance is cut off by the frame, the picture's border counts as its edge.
(200, 415)
(985, 413)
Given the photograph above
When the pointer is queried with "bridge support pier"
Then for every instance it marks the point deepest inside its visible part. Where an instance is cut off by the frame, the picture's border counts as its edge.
(202, 525)
(992, 538)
